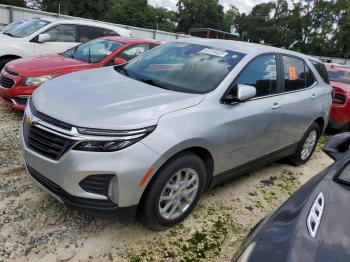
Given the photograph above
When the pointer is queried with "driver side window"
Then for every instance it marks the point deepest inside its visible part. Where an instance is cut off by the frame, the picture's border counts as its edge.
(62, 33)
(262, 74)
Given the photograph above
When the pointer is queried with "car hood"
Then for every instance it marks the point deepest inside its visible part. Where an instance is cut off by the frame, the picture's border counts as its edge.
(46, 64)
(103, 98)
(285, 236)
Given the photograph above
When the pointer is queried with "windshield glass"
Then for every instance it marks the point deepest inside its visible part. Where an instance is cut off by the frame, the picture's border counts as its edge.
(27, 28)
(339, 76)
(183, 67)
(93, 51)
(12, 25)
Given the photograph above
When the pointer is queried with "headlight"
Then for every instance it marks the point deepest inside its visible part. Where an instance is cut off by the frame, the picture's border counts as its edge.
(36, 81)
(120, 140)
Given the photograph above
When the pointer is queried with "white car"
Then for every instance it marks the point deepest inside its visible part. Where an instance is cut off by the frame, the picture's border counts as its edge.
(51, 36)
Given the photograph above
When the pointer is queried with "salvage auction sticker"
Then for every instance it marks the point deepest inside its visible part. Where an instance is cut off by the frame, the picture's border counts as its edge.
(214, 52)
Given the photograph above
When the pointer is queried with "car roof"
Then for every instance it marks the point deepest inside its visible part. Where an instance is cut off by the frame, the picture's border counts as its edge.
(240, 46)
(130, 39)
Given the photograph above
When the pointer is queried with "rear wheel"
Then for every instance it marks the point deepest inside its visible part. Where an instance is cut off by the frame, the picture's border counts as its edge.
(174, 192)
(307, 145)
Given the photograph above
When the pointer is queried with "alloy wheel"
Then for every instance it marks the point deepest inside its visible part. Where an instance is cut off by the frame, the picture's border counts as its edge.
(179, 193)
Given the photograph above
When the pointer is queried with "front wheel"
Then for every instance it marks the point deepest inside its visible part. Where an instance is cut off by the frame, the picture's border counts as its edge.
(174, 192)
(307, 145)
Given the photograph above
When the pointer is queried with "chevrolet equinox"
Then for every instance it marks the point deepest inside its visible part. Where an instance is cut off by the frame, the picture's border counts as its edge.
(150, 136)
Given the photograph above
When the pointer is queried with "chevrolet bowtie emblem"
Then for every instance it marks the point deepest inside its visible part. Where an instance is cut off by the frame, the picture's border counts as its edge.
(29, 120)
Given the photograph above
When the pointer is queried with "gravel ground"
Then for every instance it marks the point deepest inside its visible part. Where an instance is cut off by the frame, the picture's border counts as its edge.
(10, 156)
(35, 227)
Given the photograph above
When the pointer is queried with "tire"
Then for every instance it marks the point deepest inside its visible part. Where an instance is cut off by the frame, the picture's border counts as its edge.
(3, 62)
(150, 207)
(299, 158)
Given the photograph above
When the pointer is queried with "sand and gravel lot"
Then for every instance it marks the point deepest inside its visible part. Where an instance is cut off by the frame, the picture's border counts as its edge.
(35, 227)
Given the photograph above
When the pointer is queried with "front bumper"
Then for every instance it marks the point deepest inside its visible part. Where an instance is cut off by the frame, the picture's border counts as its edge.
(16, 97)
(95, 207)
(73, 175)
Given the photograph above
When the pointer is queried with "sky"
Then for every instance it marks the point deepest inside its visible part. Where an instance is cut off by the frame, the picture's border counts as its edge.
(242, 5)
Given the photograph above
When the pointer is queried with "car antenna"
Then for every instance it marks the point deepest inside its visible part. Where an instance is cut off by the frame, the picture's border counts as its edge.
(89, 55)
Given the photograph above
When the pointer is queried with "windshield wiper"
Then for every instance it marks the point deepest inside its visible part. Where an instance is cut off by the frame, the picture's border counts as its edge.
(9, 34)
(151, 82)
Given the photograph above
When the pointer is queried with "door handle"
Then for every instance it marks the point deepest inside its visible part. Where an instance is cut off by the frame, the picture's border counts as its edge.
(313, 96)
(276, 105)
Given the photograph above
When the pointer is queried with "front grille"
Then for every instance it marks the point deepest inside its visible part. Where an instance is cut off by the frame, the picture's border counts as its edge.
(6, 82)
(48, 119)
(44, 142)
(97, 184)
(10, 72)
(22, 101)
(339, 99)
(66, 197)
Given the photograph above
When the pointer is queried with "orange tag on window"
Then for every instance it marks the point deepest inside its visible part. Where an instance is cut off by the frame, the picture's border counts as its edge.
(292, 73)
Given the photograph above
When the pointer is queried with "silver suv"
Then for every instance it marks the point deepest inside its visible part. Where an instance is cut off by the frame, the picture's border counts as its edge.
(152, 135)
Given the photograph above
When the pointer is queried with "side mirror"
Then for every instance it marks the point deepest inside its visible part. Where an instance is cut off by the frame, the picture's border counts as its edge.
(243, 93)
(119, 61)
(42, 38)
(338, 146)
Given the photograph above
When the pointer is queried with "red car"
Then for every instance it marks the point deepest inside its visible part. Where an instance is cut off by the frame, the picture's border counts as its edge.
(339, 77)
(21, 77)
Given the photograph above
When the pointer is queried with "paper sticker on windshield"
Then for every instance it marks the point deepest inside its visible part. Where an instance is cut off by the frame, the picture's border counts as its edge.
(105, 52)
(214, 52)
(292, 73)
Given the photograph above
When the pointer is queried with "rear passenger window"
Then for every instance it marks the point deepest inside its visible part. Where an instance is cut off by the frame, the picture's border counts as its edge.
(261, 73)
(321, 69)
(62, 33)
(87, 33)
(297, 75)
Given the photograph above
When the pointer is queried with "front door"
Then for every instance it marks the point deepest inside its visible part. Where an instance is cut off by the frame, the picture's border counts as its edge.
(62, 38)
(252, 127)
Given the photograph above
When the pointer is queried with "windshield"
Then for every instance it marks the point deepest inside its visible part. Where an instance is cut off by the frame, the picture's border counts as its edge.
(183, 67)
(26, 28)
(339, 76)
(12, 25)
(93, 51)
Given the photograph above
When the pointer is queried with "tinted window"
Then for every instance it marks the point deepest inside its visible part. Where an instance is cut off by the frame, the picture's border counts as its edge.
(62, 33)
(296, 74)
(261, 73)
(321, 69)
(27, 28)
(133, 51)
(183, 67)
(87, 33)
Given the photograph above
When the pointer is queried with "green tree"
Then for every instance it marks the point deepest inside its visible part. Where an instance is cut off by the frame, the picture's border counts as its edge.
(229, 18)
(342, 36)
(20, 3)
(198, 13)
(88, 9)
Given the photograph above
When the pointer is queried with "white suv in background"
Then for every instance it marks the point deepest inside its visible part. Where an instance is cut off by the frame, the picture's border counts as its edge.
(50, 36)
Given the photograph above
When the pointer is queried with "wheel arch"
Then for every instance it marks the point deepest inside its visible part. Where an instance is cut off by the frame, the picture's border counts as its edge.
(202, 152)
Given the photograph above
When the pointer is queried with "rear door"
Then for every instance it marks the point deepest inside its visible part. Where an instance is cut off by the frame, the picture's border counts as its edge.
(302, 100)
(253, 126)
